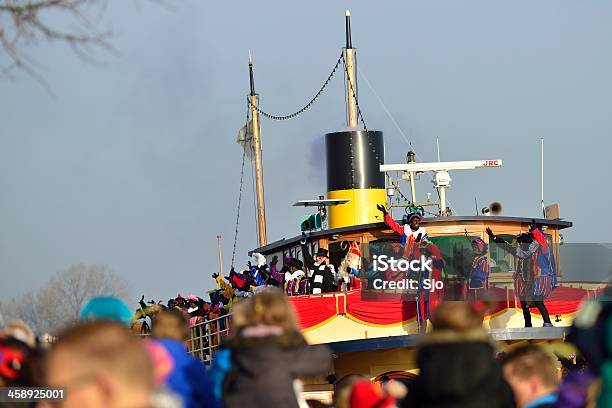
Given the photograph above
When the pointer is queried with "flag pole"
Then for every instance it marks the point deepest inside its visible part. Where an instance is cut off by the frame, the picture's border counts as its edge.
(220, 255)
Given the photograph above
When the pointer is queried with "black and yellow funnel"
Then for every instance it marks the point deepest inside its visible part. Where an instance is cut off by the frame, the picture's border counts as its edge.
(353, 172)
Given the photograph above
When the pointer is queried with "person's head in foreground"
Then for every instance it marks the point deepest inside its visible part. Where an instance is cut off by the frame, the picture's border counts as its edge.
(100, 364)
(14, 356)
(343, 388)
(457, 317)
(268, 354)
(456, 363)
(170, 324)
(19, 330)
(532, 373)
(365, 394)
(268, 311)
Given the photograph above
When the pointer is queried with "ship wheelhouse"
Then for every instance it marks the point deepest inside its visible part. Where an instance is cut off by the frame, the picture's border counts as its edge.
(453, 237)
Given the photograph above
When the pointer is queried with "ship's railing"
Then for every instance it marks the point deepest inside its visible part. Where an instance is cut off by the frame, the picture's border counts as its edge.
(205, 337)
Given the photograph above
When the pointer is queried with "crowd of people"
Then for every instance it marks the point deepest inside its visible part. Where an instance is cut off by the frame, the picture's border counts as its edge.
(291, 278)
(261, 359)
(312, 275)
(194, 307)
(99, 362)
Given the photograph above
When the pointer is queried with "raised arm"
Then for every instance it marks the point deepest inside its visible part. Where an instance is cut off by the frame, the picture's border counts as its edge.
(279, 276)
(500, 241)
(308, 259)
(389, 220)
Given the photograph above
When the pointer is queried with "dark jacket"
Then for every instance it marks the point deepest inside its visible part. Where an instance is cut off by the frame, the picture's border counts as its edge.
(458, 370)
(320, 277)
(264, 369)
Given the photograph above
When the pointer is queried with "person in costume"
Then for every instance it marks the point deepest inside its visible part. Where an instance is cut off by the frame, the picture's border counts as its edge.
(427, 299)
(241, 282)
(259, 271)
(410, 230)
(321, 275)
(415, 240)
(535, 275)
(276, 274)
(227, 290)
(348, 273)
(295, 279)
(478, 278)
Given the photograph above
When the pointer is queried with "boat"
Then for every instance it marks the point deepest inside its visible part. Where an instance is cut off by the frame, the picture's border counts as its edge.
(376, 331)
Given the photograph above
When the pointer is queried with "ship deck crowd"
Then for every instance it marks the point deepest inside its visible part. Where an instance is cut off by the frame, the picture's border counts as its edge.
(295, 277)
(100, 362)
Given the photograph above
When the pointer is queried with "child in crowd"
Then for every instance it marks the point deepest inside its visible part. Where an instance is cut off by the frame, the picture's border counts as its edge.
(268, 354)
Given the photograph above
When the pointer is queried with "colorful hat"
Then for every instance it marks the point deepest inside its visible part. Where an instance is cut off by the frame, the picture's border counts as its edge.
(258, 259)
(106, 308)
(525, 237)
(408, 217)
(415, 215)
(368, 395)
(11, 360)
(322, 252)
(480, 245)
(355, 249)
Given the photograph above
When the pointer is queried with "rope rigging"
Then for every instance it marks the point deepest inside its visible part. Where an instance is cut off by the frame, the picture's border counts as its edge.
(315, 97)
(359, 114)
(239, 198)
(341, 59)
(308, 105)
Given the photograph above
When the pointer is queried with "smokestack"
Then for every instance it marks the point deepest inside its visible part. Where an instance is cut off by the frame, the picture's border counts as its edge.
(353, 172)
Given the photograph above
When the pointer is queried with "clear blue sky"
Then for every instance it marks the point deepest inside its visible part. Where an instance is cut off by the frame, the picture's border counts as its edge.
(134, 163)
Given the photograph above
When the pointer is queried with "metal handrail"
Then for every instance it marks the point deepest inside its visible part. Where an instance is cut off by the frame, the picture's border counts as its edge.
(205, 337)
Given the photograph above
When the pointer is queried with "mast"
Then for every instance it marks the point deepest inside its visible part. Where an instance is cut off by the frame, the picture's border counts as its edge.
(259, 187)
(220, 255)
(410, 159)
(542, 172)
(351, 89)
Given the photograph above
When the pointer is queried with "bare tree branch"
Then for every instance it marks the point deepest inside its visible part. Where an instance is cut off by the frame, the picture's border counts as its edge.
(23, 24)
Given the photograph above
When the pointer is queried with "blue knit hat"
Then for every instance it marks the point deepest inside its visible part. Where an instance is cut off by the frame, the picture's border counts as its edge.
(106, 308)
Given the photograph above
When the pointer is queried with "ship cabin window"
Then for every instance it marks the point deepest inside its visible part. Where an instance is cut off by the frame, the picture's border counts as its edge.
(389, 246)
(457, 253)
(295, 251)
(501, 261)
